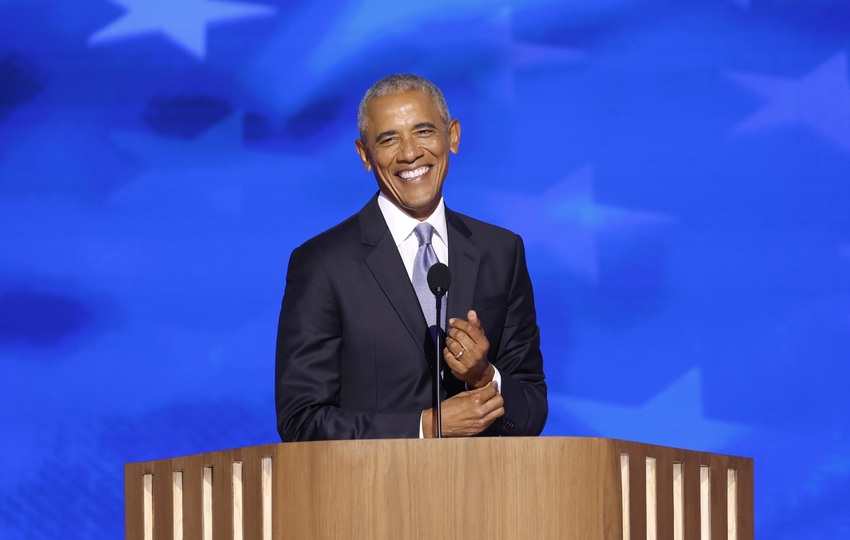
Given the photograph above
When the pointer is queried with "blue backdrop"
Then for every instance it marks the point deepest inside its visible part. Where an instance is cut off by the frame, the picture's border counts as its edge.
(680, 172)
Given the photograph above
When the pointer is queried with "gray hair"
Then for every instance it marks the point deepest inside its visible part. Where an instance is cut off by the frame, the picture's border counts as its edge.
(399, 84)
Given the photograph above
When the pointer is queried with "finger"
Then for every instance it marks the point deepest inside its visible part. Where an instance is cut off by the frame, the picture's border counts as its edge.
(454, 346)
(452, 361)
(464, 326)
(493, 415)
(458, 351)
(489, 402)
(460, 358)
(472, 317)
(457, 323)
(487, 419)
(493, 405)
(467, 337)
(496, 401)
(474, 331)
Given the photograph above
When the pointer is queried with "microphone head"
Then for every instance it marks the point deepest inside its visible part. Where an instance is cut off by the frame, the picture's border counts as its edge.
(439, 279)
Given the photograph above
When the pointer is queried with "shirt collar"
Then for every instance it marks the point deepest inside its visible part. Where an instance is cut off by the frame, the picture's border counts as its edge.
(401, 225)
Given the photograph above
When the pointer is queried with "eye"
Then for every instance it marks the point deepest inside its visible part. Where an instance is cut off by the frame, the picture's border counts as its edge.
(425, 132)
(389, 141)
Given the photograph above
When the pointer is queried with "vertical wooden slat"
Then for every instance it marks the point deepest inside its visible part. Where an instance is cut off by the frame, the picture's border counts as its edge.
(177, 503)
(207, 502)
(664, 493)
(252, 493)
(732, 504)
(718, 498)
(147, 506)
(271, 529)
(223, 495)
(163, 525)
(678, 532)
(625, 495)
(237, 508)
(193, 469)
(651, 498)
(691, 465)
(133, 512)
(637, 497)
(705, 509)
(746, 501)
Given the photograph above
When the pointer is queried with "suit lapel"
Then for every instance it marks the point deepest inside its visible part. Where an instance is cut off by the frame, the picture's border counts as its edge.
(464, 258)
(388, 269)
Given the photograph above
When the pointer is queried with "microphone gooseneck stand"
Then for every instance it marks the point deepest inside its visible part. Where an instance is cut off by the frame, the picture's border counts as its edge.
(438, 362)
(439, 280)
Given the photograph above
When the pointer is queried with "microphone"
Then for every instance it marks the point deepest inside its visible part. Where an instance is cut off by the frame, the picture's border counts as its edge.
(439, 279)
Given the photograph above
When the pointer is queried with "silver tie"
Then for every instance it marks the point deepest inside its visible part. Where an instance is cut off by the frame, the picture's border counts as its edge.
(425, 258)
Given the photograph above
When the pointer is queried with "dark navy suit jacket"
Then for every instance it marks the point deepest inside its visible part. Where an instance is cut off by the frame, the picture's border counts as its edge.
(353, 351)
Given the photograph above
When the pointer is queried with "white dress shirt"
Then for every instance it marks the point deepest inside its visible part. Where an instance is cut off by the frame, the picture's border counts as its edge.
(401, 227)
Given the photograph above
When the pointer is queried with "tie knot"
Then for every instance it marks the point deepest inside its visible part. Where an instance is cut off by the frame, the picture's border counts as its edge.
(423, 232)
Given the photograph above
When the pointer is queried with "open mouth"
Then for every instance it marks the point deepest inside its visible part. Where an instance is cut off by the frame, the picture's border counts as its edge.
(415, 173)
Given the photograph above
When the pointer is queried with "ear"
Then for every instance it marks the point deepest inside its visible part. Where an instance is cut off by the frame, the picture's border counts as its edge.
(454, 135)
(363, 152)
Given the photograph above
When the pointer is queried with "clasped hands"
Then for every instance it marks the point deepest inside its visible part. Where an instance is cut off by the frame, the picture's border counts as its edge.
(465, 353)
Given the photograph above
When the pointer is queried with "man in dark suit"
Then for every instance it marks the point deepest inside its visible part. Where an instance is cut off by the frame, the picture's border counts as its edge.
(354, 350)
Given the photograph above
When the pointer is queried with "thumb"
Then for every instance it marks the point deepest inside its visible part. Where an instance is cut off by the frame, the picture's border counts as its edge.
(472, 317)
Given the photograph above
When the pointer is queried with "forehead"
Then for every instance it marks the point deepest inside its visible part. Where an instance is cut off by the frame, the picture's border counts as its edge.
(411, 107)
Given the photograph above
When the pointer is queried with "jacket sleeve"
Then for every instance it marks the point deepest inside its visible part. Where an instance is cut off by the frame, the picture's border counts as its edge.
(519, 359)
(308, 373)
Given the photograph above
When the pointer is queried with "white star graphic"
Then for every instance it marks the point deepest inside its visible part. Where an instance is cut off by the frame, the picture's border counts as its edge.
(674, 417)
(182, 21)
(368, 20)
(820, 99)
(567, 220)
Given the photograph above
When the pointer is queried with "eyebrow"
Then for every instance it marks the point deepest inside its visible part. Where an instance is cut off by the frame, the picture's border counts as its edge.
(380, 136)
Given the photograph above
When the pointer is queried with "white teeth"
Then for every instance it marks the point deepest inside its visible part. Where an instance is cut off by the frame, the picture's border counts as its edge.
(409, 175)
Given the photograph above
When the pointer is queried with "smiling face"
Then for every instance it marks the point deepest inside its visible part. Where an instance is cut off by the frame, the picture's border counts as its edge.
(406, 144)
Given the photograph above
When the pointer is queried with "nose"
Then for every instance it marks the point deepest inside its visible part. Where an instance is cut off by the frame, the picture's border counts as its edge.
(409, 150)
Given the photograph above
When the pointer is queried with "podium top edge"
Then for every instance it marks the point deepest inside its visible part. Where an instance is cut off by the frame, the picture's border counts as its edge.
(272, 448)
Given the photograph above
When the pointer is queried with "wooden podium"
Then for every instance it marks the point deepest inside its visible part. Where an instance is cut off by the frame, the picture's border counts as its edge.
(510, 488)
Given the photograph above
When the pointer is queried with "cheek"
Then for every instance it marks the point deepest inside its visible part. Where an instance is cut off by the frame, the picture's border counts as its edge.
(439, 150)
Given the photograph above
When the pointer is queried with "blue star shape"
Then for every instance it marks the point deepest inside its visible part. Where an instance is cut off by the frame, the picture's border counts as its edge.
(214, 170)
(567, 221)
(673, 417)
(182, 21)
(218, 150)
(820, 100)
